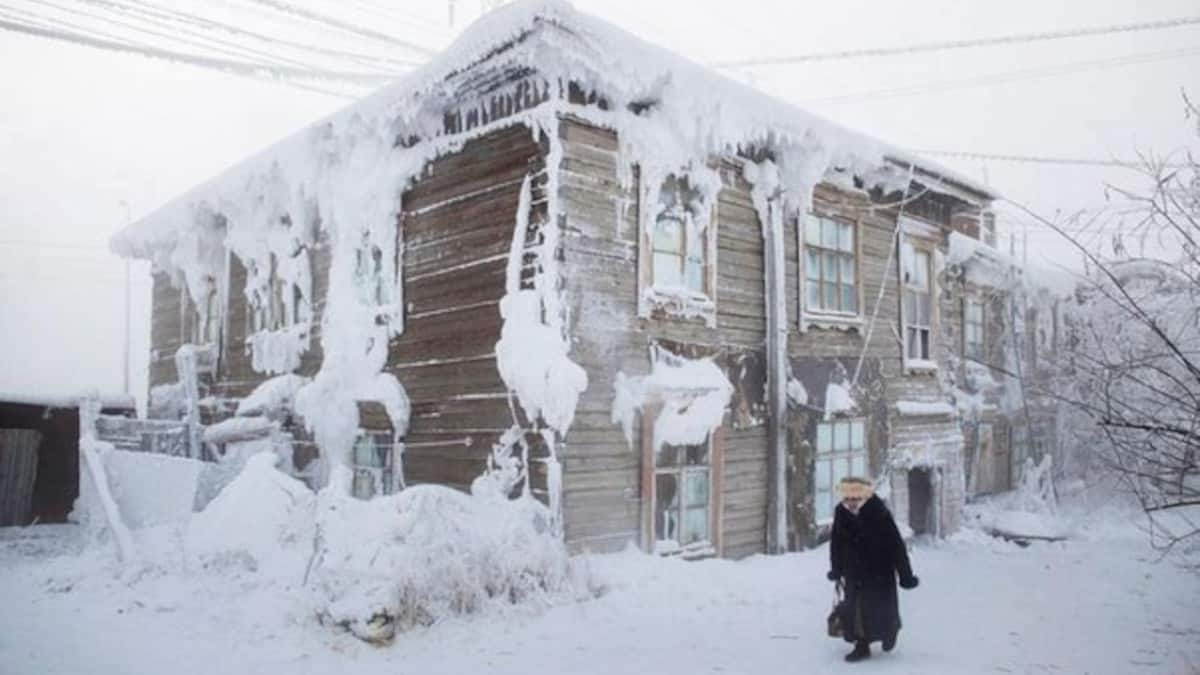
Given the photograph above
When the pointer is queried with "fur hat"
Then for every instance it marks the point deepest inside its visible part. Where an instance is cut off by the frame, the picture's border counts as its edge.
(853, 486)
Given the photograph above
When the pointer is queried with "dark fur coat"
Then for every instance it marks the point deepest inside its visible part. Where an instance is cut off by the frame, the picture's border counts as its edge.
(867, 552)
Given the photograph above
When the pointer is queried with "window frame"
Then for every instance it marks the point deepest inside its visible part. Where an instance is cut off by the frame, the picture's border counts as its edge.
(713, 544)
(382, 475)
(808, 313)
(925, 360)
(675, 300)
(833, 455)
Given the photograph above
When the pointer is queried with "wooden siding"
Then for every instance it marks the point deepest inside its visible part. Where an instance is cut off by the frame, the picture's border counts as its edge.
(168, 304)
(456, 229)
(602, 473)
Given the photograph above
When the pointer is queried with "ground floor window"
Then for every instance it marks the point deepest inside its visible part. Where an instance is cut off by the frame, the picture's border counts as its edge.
(682, 498)
(841, 451)
(372, 465)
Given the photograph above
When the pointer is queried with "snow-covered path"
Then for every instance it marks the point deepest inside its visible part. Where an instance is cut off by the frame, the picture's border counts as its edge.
(1095, 604)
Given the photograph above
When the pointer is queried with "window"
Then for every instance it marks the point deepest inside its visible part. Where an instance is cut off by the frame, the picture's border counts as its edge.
(830, 266)
(973, 344)
(917, 303)
(371, 276)
(683, 499)
(372, 465)
(679, 240)
(276, 297)
(206, 328)
(841, 452)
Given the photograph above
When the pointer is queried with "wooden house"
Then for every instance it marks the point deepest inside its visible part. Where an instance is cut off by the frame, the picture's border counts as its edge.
(560, 261)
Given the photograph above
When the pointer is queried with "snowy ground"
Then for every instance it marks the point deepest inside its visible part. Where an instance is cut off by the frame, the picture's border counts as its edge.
(1097, 603)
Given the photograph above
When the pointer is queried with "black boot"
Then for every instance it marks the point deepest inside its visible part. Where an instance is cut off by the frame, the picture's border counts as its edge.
(862, 650)
(889, 643)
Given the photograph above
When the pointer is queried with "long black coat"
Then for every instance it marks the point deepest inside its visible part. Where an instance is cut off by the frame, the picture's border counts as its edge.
(867, 552)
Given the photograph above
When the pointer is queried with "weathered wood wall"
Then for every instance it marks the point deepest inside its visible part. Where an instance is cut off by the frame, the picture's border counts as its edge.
(57, 477)
(602, 484)
(456, 228)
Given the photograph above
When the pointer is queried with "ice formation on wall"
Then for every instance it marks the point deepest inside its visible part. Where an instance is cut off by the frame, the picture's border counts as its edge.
(694, 395)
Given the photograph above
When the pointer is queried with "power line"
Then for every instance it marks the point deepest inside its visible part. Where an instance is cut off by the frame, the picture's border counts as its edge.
(1020, 38)
(1013, 76)
(1035, 159)
(343, 25)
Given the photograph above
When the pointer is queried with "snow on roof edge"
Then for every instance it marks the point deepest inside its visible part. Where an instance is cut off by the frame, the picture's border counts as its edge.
(491, 34)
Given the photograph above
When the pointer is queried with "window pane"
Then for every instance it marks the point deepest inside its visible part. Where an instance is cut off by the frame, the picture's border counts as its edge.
(924, 333)
(909, 302)
(829, 234)
(921, 269)
(823, 505)
(856, 435)
(841, 436)
(668, 235)
(666, 507)
(697, 455)
(824, 438)
(922, 315)
(824, 476)
(695, 526)
(667, 269)
(912, 343)
(841, 468)
(812, 231)
(858, 465)
(814, 294)
(847, 269)
(849, 299)
(364, 451)
(830, 290)
(846, 237)
(696, 484)
(829, 267)
(695, 273)
(812, 263)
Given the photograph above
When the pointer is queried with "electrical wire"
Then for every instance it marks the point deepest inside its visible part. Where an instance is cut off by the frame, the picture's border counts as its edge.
(1021, 38)
(1013, 76)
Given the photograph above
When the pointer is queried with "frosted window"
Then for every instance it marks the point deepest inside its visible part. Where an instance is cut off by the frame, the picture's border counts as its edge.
(841, 451)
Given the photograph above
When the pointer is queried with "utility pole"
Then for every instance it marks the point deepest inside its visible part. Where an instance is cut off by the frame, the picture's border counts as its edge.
(450, 12)
(128, 302)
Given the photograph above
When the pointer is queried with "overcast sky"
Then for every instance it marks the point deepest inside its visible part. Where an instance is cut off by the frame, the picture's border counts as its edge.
(92, 138)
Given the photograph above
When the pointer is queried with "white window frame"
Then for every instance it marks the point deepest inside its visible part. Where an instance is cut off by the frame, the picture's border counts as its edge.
(713, 469)
(844, 456)
(677, 299)
(822, 316)
(910, 246)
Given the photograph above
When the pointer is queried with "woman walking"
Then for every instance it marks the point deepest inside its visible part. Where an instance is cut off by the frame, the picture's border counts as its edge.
(867, 554)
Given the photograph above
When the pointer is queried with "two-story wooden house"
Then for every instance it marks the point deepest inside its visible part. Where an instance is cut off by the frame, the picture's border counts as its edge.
(560, 261)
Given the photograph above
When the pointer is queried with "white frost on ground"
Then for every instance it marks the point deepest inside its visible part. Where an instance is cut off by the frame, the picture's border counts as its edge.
(1098, 603)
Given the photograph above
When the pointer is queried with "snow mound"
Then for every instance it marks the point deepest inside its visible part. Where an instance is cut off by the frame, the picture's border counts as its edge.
(429, 553)
(262, 521)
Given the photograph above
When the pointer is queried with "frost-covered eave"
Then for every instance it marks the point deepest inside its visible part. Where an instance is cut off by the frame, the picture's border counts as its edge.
(943, 180)
(563, 46)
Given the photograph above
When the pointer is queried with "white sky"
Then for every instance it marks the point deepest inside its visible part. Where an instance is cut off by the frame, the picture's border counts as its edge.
(83, 133)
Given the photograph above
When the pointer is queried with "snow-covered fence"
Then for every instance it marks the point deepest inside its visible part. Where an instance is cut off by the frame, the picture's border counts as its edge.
(160, 437)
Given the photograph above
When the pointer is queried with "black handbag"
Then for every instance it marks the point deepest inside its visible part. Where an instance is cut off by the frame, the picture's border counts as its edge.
(834, 621)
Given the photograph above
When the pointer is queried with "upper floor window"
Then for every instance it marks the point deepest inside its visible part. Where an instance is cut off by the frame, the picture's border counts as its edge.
(830, 266)
(680, 243)
(917, 302)
(973, 337)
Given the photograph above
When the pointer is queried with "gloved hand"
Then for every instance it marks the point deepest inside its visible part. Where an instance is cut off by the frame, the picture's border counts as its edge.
(909, 583)
(832, 576)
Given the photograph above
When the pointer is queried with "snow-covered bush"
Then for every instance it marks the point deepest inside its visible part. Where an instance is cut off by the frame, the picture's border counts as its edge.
(429, 553)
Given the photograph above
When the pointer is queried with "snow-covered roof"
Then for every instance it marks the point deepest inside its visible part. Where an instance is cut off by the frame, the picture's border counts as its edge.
(108, 400)
(550, 39)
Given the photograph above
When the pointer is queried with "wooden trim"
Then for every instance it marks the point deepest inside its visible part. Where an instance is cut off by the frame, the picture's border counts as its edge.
(649, 414)
(716, 460)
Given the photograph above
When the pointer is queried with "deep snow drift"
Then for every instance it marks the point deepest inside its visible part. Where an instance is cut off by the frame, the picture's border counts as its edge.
(1099, 602)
